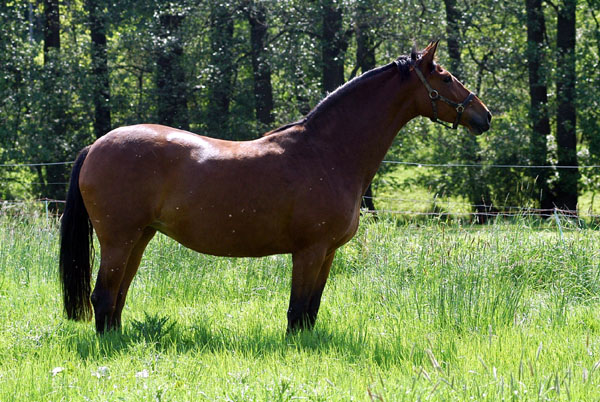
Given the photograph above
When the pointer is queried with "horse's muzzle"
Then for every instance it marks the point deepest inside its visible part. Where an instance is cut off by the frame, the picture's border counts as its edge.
(479, 124)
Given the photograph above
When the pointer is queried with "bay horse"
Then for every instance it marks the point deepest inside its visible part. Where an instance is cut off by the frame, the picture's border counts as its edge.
(295, 190)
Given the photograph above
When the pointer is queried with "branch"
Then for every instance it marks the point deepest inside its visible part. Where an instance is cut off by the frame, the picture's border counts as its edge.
(132, 67)
(354, 71)
(359, 61)
(591, 8)
(482, 64)
(554, 6)
(597, 33)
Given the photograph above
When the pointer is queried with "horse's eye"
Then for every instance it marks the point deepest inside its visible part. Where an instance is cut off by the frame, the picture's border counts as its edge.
(447, 79)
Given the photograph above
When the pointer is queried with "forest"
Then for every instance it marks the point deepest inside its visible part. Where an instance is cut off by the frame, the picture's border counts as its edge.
(72, 70)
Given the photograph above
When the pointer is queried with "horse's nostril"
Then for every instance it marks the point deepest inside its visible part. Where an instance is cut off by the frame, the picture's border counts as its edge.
(489, 117)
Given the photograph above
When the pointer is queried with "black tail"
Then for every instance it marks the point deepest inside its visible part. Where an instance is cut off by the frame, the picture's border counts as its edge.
(75, 244)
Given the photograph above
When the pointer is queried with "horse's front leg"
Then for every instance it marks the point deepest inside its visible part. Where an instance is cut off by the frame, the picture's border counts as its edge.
(309, 275)
(315, 298)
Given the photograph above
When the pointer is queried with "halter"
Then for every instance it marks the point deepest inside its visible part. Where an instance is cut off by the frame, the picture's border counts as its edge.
(434, 96)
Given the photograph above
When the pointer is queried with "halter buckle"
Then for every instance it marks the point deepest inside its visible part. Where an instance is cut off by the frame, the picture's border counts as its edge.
(434, 94)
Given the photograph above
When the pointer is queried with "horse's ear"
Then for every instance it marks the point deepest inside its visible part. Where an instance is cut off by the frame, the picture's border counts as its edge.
(429, 54)
(414, 53)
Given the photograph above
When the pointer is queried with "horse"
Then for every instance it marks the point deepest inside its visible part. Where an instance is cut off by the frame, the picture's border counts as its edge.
(295, 190)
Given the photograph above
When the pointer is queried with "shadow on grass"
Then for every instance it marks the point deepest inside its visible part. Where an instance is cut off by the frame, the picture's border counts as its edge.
(165, 335)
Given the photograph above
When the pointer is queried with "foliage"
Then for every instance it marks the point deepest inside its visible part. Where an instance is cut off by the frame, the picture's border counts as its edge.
(46, 111)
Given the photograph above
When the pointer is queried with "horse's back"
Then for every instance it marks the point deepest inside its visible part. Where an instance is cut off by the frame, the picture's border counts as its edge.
(149, 143)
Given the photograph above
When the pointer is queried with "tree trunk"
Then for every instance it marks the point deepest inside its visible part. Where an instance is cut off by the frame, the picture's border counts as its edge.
(365, 59)
(51, 27)
(170, 77)
(538, 93)
(100, 78)
(453, 37)
(566, 186)
(333, 46)
(587, 115)
(365, 46)
(263, 92)
(478, 191)
(54, 113)
(220, 83)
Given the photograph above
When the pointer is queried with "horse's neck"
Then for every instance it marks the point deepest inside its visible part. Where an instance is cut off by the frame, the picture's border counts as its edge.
(358, 130)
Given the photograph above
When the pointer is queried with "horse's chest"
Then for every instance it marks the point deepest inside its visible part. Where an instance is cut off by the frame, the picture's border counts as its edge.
(337, 224)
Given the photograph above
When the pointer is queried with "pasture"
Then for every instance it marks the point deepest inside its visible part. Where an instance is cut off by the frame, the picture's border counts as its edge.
(413, 310)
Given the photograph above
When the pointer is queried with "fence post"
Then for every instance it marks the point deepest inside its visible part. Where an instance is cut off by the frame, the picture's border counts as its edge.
(557, 219)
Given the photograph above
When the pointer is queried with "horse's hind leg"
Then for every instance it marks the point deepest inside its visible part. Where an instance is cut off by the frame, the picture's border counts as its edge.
(114, 256)
(131, 269)
(309, 274)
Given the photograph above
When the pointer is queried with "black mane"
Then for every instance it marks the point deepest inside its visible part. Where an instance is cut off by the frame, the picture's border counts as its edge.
(402, 64)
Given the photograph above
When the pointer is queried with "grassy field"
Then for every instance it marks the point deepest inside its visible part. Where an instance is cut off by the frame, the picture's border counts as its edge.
(412, 311)
(396, 190)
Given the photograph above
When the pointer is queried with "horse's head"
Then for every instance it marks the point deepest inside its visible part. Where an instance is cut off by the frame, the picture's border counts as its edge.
(444, 97)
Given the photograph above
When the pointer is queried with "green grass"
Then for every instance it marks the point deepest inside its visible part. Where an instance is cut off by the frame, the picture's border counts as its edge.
(411, 312)
(397, 190)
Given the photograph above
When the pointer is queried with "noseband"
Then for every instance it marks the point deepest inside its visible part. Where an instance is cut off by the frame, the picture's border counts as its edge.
(434, 96)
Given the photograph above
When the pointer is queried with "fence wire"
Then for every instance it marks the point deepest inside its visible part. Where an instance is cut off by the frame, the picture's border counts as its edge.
(487, 210)
(485, 165)
(489, 213)
(405, 163)
(36, 164)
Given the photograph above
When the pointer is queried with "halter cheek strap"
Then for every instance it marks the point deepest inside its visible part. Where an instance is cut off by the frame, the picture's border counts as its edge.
(434, 96)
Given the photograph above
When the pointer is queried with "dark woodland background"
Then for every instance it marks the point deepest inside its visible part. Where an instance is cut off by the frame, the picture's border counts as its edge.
(72, 70)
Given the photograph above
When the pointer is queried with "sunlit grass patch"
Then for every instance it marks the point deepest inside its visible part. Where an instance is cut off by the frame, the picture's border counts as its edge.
(438, 311)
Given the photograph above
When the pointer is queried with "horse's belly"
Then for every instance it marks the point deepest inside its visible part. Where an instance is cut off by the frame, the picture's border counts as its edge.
(228, 236)
(229, 246)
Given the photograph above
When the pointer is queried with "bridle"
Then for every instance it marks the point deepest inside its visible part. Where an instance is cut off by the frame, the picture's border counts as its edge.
(434, 96)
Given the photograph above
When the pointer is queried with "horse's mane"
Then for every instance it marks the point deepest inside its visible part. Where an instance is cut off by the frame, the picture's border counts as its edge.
(402, 63)
(285, 127)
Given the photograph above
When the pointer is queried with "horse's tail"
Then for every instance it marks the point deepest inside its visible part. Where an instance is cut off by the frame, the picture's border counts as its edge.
(75, 245)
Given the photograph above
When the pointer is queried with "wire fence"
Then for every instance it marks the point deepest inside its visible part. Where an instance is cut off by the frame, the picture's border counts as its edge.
(475, 210)
(487, 211)
(35, 164)
(486, 165)
(418, 164)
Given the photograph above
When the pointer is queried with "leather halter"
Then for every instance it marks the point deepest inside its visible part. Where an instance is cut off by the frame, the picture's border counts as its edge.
(434, 96)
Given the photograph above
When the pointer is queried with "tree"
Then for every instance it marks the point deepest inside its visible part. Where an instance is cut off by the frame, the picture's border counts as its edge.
(54, 114)
(220, 81)
(588, 107)
(99, 59)
(566, 186)
(51, 28)
(263, 92)
(538, 94)
(470, 150)
(171, 85)
(365, 60)
(334, 43)
(453, 16)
